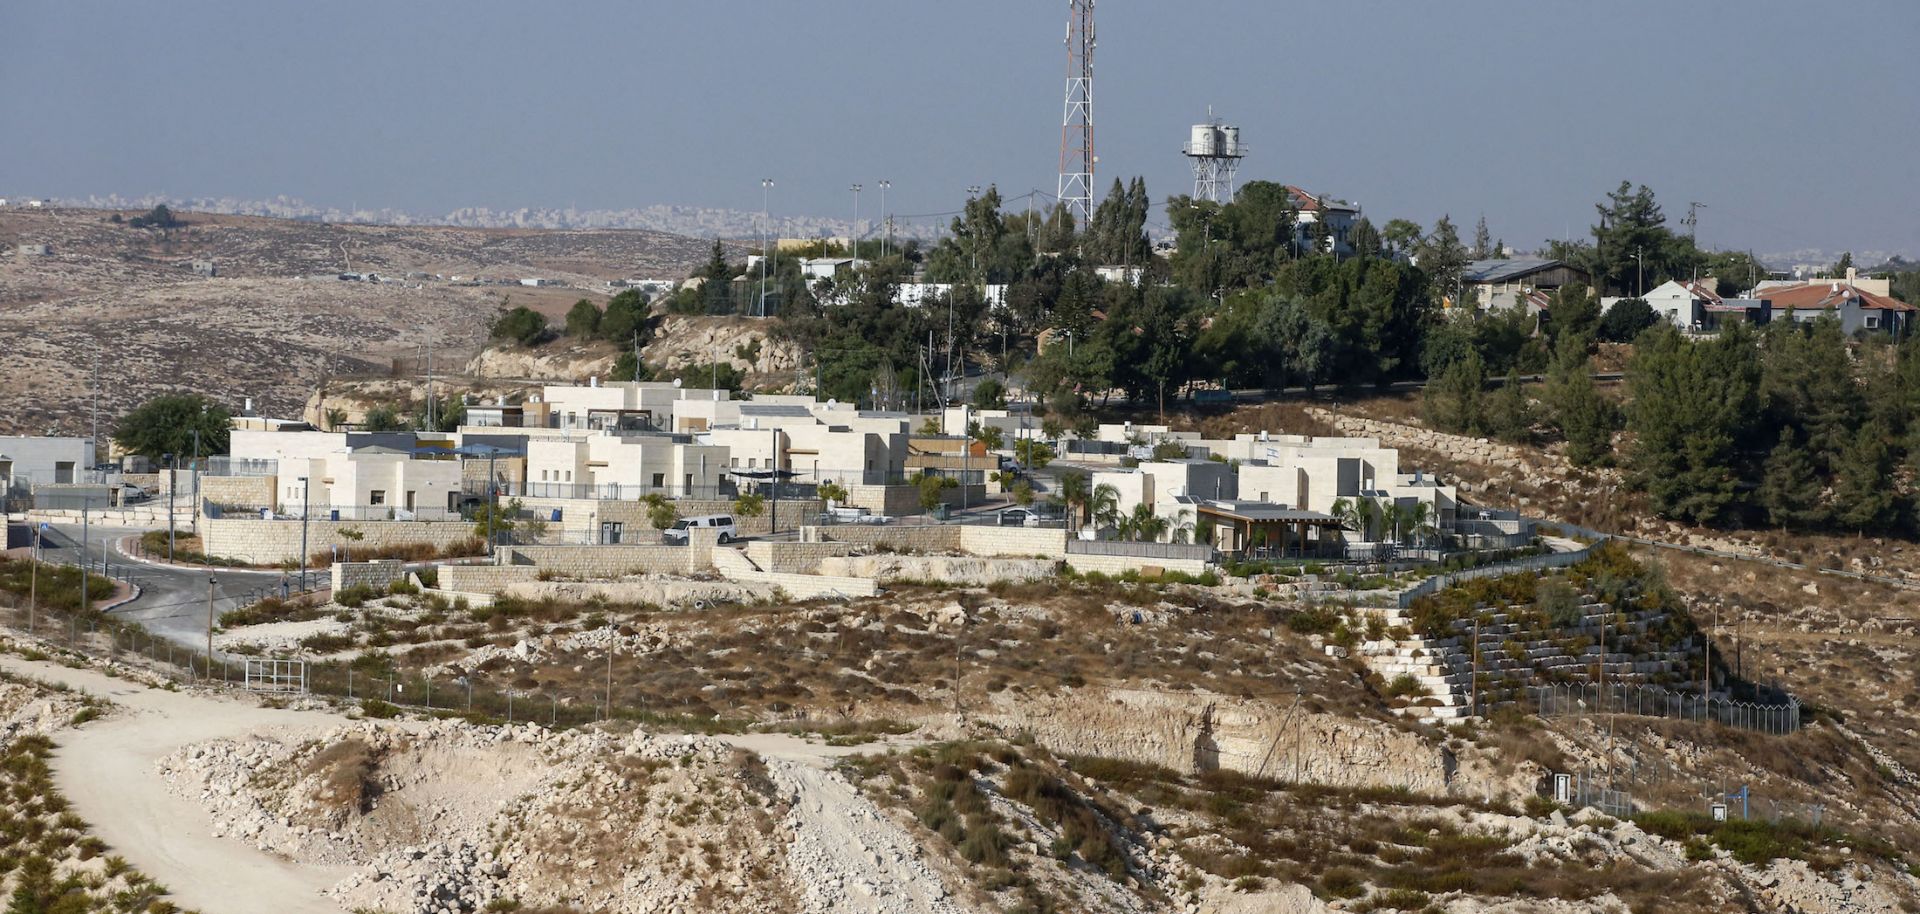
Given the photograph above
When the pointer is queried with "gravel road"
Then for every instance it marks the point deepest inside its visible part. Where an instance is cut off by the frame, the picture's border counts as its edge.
(107, 771)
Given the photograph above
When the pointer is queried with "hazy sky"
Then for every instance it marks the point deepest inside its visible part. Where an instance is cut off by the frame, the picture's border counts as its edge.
(1795, 122)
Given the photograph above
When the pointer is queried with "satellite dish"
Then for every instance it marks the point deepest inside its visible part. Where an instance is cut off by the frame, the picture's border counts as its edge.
(832, 402)
(676, 383)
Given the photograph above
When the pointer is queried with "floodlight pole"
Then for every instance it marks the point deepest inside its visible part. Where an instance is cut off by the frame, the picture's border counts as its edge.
(210, 583)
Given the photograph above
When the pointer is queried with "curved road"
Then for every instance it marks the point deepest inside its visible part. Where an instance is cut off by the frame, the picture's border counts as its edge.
(173, 598)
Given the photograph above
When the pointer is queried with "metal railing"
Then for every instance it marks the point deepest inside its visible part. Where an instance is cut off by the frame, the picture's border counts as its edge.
(1441, 582)
(293, 513)
(1576, 699)
(241, 466)
(1199, 552)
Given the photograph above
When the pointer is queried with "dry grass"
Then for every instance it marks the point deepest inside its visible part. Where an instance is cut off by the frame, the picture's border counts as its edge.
(347, 772)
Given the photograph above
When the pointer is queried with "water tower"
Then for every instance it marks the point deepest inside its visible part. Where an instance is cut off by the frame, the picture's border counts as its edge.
(1215, 151)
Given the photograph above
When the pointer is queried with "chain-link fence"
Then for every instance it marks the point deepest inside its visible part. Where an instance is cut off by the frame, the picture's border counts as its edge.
(1573, 699)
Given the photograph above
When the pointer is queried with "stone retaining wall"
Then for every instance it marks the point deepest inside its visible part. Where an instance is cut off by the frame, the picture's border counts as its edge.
(1396, 435)
(270, 542)
(146, 514)
(923, 538)
(489, 579)
(605, 562)
(1116, 565)
(973, 539)
(379, 574)
(1444, 667)
(791, 557)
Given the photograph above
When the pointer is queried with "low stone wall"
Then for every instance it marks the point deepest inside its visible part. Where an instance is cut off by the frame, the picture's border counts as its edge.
(379, 575)
(791, 557)
(973, 539)
(659, 592)
(1116, 565)
(735, 566)
(146, 514)
(923, 538)
(269, 542)
(604, 562)
(970, 571)
(490, 579)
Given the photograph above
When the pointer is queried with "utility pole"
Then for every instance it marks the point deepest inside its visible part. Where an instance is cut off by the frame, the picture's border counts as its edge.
(306, 511)
(93, 441)
(33, 584)
(773, 483)
(1475, 682)
(613, 643)
(210, 583)
(173, 484)
(86, 559)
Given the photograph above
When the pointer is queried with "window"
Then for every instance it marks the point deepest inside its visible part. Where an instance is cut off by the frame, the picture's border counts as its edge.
(377, 497)
(569, 475)
(1873, 321)
(734, 462)
(659, 479)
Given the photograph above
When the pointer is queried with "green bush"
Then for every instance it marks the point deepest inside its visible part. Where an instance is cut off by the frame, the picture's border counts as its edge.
(521, 325)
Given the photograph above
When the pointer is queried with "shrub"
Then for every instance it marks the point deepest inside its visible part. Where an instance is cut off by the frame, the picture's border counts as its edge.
(521, 325)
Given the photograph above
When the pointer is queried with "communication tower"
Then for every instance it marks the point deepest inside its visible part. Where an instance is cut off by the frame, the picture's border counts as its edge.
(1215, 151)
(1076, 126)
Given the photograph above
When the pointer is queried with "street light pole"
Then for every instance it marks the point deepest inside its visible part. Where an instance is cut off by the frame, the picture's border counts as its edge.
(886, 218)
(306, 511)
(766, 240)
(853, 237)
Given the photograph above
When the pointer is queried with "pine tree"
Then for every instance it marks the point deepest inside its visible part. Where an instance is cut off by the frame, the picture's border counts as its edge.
(1482, 241)
(1790, 488)
(1693, 405)
(1863, 497)
(1454, 403)
(1584, 419)
(1509, 413)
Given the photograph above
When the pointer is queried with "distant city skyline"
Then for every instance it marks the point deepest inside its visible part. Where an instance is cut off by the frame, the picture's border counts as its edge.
(1522, 113)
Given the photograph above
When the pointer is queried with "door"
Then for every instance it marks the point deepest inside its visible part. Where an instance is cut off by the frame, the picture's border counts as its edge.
(610, 532)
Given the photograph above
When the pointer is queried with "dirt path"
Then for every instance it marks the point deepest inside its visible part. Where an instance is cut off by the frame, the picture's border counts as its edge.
(107, 771)
(846, 855)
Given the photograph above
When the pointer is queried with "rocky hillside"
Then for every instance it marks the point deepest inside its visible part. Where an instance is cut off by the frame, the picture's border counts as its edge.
(271, 324)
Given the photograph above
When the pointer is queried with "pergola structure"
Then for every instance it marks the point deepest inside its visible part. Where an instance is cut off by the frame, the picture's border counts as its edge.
(1243, 525)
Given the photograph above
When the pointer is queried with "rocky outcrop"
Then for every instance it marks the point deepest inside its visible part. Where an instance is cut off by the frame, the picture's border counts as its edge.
(1200, 731)
(742, 343)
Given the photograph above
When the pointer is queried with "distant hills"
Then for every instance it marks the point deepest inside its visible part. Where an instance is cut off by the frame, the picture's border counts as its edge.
(695, 221)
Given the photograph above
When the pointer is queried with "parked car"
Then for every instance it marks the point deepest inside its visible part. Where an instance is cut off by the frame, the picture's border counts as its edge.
(130, 494)
(723, 522)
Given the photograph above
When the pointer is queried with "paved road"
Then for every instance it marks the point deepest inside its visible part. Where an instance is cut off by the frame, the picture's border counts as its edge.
(173, 600)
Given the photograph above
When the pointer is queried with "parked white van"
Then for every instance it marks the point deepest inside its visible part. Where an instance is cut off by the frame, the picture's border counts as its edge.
(723, 522)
